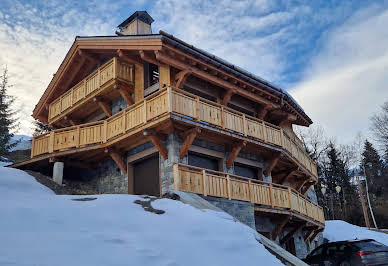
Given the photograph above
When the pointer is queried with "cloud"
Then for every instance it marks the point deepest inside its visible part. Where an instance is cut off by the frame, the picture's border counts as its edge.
(346, 81)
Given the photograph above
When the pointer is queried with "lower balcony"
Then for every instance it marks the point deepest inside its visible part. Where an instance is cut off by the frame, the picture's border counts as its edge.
(267, 197)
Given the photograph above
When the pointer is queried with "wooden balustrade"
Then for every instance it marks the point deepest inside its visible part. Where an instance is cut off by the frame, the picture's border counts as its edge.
(203, 110)
(177, 101)
(218, 184)
(114, 69)
(99, 132)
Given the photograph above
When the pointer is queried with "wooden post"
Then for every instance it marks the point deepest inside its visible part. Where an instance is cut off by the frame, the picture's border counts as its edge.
(32, 147)
(244, 125)
(264, 132)
(170, 102)
(78, 136)
(197, 116)
(145, 111)
(51, 142)
(124, 121)
(271, 195)
(175, 173)
(105, 128)
(290, 198)
(250, 190)
(114, 67)
(363, 204)
(281, 137)
(222, 117)
(229, 190)
(204, 184)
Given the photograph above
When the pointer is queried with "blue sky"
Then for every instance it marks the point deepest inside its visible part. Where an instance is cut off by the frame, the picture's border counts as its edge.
(330, 55)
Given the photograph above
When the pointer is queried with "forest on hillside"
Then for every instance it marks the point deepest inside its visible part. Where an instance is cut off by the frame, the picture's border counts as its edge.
(341, 166)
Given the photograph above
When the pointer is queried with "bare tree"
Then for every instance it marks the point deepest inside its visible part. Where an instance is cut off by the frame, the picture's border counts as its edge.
(380, 125)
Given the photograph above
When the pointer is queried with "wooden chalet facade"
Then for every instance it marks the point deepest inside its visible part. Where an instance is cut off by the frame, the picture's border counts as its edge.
(149, 114)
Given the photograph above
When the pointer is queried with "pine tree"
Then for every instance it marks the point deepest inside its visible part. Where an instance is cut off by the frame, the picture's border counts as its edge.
(373, 166)
(8, 122)
(40, 128)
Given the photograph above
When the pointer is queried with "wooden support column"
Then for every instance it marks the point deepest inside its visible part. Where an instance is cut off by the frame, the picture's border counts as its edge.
(280, 227)
(181, 77)
(227, 96)
(139, 83)
(292, 233)
(233, 155)
(157, 142)
(118, 160)
(272, 164)
(189, 137)
(104, 106)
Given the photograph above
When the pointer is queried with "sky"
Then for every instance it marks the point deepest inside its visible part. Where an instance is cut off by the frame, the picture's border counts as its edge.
(330, 55)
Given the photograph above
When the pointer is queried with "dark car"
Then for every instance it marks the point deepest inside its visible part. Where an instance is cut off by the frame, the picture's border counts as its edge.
(349, 253)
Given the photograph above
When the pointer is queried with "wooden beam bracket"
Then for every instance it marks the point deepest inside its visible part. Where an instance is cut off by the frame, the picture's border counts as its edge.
(117, 159)
(155, 139)
(181, 77)
(104, 106)
(235, 151)
(271, 165)
(189, 137)
(280, 227)
(292, 233)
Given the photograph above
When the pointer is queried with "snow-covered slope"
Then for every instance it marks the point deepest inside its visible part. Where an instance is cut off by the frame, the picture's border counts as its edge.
(38, 227)
(340, 230)
(24, 142)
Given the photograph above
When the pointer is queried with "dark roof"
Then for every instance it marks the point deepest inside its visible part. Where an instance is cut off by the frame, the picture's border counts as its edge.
(218, 63)
(141, 15)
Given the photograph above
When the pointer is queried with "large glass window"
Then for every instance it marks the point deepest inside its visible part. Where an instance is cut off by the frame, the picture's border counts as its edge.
(246, 171)
(203, 161)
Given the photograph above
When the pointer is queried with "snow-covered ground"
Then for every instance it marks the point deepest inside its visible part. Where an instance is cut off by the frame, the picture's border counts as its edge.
(340, 230)
(38, 227)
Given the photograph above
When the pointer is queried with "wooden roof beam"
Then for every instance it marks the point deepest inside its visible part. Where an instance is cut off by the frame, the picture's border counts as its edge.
(127, 58)
(73, 73)
(211, 78)
(181, 77)
(88, 57)
(233, 155)
(190, 136)
(280, 227)
(155, 139)
(227, 96)
(148, 58)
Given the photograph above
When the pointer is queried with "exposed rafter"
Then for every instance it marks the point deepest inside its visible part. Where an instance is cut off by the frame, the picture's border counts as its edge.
(88, 57)
(189, 137)
(181, 77)
(211, 78)
(127, 58)
(148, 58)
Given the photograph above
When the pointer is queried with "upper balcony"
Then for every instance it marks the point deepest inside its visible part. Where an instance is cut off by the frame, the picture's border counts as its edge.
(187, 108)
(77, 102)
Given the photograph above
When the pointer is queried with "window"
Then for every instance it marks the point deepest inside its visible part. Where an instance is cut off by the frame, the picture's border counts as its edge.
(151, 78)
(203, 161)
(246, 171)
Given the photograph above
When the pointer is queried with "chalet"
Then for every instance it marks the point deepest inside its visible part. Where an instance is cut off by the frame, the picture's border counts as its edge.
(146, 113)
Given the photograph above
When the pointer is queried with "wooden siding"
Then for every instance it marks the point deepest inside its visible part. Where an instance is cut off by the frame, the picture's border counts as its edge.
(90, 86)
(218, 184)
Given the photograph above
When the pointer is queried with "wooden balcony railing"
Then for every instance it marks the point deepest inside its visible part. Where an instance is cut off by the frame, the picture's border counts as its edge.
(218, 184)
(101, 78)
(103, 131)
(197, 108)
(180, 103)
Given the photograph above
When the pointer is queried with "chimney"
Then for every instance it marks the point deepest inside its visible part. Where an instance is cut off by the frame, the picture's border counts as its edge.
(138, 23)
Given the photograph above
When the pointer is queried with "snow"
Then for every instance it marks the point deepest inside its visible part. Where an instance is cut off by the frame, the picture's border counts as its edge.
(24, 142)
(38, 227)
(338, 230)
